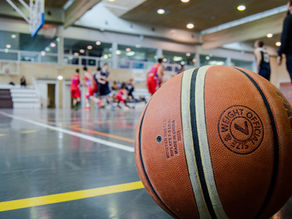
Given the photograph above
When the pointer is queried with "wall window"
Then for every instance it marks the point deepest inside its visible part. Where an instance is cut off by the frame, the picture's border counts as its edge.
(74, 50)
(212, 60)
(244, 64)
(179, 58)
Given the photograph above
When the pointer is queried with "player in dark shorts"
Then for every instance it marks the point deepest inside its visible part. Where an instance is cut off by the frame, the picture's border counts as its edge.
(103, 83)
(263, 60)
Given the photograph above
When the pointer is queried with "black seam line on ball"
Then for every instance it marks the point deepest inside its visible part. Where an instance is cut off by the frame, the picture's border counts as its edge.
(141, 158)
(197, 147)
(276, 145)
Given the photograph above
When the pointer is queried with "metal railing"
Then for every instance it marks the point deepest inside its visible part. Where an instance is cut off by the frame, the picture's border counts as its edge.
(17, 56)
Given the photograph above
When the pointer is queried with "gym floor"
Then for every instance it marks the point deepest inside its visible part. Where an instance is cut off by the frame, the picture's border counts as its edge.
(73, 164)
(60, 164)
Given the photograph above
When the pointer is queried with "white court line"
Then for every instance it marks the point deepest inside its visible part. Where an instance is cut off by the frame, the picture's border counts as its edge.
(77, 134)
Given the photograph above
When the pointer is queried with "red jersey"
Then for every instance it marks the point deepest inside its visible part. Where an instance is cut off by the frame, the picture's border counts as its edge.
(75, 81)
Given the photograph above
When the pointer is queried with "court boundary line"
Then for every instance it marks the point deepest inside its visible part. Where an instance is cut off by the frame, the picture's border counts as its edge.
(77, 134)
(69, 196)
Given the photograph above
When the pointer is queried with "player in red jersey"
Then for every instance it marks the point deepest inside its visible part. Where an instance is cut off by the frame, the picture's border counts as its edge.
(75, 91)
(155, 77)
(91, 87)
(122, 96)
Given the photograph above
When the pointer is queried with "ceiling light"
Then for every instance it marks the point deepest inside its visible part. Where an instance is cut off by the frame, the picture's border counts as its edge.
(118, 52)
(177, 58)
(60, 77)
(269, 35)
(13, 36)
(160, 11)
(182, 63)
(194, 60)
(105, 56)
(164, 59)
(47, 49)
(8, 46)
(43, 53)
(188, 54)
(111, 0)
(190, 25)
(98, 43)
(76, 54)
(53, 44)
(81, 50)
(241, 7)
(207, 57)
(278, 44)
(89, 47)
(184, 1)
(128, 49)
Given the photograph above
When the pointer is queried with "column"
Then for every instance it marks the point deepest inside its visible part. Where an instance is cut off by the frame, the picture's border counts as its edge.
(114, 55)
(159, 53)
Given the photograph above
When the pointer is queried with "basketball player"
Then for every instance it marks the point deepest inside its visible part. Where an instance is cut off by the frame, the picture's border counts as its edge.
(263, 60)
(286, 41)
(91, 87)
(75, 91)
(155, 77)
(103, 83)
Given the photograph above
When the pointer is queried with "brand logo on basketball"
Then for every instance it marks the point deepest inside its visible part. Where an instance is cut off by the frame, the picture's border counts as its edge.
(241, 129)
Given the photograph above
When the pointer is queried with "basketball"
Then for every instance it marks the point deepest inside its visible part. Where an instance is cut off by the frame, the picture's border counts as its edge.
(215, 142)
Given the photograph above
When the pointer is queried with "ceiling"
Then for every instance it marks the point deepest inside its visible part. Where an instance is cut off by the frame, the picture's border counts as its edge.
(203, 13)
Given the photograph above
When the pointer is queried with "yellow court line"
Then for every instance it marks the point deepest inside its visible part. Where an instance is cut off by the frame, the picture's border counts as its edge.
(1, 134)
(28, 131)
(68, 196)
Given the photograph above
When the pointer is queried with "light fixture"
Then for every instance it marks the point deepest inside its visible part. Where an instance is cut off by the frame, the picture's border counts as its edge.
(269, 35)
(182, 63)
(278, 44)
(188, 54)
(43, 53)
(76, 54)
(241, 7)
(207, 57)
(47, 49)
(13, 36)
(184, 1)
(190, 25)
(89, 47)
(98, 43)
(60, 77)
(111, 0)
(53, 44)
(8, 46)
(105, 56)
(118, 52)
(128, 49)
(194, 60)
(164, 59)
(82, 51)
(160, 11)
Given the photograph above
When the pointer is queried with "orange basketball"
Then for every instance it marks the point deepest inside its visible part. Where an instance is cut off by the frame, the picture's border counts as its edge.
(216, 142)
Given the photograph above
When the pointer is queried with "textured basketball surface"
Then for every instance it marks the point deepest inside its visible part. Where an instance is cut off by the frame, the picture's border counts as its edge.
(216, 142)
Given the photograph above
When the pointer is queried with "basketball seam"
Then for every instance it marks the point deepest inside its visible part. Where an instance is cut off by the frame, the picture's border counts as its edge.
(197, 148)
(276, 148)
(143, 167)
